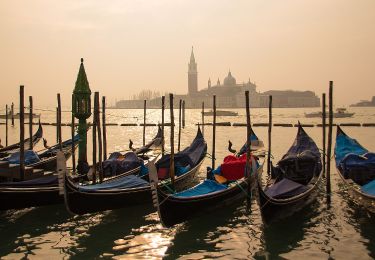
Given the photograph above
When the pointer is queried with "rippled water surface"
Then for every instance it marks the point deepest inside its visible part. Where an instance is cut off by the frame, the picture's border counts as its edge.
(339, 230)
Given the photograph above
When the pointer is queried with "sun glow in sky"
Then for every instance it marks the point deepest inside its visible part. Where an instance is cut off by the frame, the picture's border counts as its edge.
(133, 45)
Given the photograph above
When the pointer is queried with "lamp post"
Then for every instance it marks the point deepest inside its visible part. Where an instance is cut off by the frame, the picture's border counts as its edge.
(81, 109)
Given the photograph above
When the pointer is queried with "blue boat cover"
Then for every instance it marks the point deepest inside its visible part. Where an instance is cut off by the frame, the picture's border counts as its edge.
(130, 181)
(190, 156)
(369, 188)
(208, 186)
(39, 182)
(301, 162)
(353, 160)
(30, 158)
(284, 189)
(345, 145)
(118, 163)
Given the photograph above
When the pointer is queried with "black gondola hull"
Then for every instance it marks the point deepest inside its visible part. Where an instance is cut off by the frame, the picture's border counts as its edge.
(272, 210)
(12, 198)
(174, 210)
(359, 198)
(78, 202)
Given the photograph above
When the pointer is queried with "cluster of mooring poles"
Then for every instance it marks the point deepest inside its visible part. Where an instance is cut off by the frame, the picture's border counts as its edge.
(81, 109)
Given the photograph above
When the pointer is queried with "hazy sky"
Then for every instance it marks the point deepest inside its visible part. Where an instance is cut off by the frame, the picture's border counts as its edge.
(129, 45)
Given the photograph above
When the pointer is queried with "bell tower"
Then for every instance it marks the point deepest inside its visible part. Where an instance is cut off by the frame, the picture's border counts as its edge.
(192, 75)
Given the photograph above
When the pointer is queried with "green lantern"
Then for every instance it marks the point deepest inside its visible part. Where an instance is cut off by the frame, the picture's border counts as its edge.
(81, 109)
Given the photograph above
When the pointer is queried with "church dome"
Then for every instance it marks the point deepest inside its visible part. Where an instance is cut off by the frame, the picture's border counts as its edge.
(229, 80)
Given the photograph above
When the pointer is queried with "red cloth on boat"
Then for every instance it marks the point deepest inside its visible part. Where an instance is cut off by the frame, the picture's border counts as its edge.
(233, 167)
(163, 173)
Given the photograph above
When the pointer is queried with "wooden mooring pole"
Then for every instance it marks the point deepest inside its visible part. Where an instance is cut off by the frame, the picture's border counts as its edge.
(59, 121)
(12, 113)
(213, 133)
(203, 118)
(94, 124)
(179, 125)
(6, 125)
(171, 165)
(31, 122)
(269, 135)
(248, 147)
(100, 144)
(162, 125)
(183, 114)
(324, 132)
(144, 122)
(22, 133)
(330, 123)
(104, 129)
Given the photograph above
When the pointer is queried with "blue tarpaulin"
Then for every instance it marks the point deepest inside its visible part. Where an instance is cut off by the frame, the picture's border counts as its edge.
(208, 186)
(369, 188)
(30, 158)
(189, 156)
(118, 163)
(353, 160)
(130, 181)
(346, 145)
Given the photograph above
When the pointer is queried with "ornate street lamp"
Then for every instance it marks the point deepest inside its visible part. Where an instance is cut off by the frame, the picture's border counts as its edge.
(81, 108)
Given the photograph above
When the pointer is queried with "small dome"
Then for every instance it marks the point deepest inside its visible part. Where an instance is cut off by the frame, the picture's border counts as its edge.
(229, 80)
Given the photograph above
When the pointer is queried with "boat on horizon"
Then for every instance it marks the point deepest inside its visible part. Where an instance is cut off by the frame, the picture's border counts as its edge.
(340, 113)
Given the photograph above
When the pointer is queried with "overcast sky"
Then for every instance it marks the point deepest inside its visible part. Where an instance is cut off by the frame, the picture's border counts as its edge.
(130, 45)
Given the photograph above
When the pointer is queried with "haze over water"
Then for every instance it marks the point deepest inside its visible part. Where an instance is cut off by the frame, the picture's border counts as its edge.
(133, 45)
(340, 231)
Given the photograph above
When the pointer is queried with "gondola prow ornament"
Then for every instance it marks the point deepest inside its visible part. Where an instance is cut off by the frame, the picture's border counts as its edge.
(81, 109)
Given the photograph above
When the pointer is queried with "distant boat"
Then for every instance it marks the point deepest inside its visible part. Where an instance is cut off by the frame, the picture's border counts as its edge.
(220, 113)
(17, 116)
(340, 113)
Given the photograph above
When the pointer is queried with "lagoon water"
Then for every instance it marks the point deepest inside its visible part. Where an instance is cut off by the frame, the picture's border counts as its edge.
(341, 230)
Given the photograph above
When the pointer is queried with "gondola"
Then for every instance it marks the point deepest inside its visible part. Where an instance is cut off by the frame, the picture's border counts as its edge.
(43, 190)
(131, 190)
(294, 180)
(30, 193)
(356, 167)
(45, 159)
(217, 191)
(16, 147)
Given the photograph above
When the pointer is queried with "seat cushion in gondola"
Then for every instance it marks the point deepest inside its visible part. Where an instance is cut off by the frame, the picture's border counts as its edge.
(130, 181)
(359, 168)
(285, 189)
(206, 187)
(233, 168)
